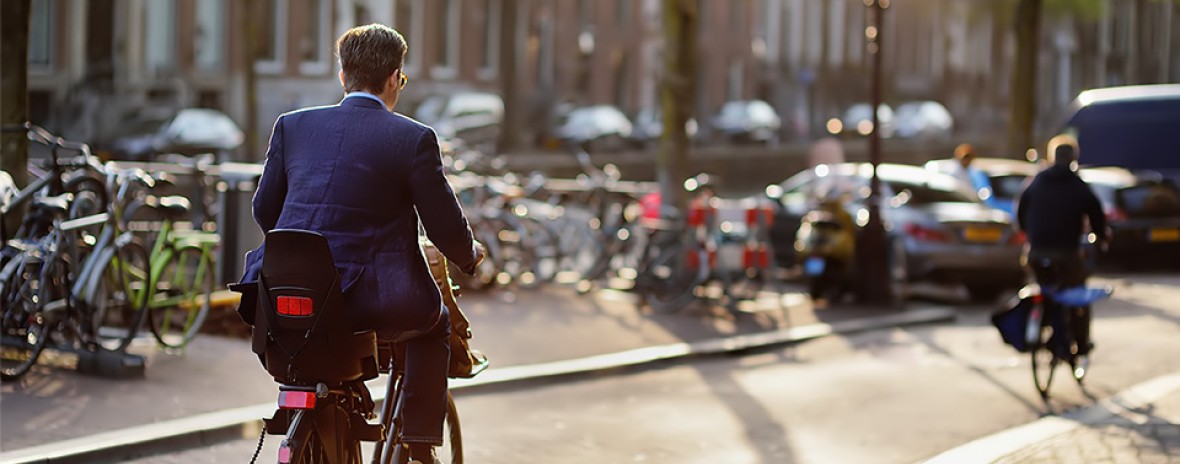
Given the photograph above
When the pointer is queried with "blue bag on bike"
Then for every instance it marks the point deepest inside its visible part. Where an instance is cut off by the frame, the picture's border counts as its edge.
(1013, 323)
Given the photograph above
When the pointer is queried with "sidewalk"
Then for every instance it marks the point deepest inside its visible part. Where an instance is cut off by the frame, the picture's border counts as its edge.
(552, 328)
(1139, 425)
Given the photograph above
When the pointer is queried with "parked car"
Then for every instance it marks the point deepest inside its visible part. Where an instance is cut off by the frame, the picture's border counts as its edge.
(927, 120)
(156, 131)
(649, 127)
(1143, 213)
(473, 117)
(1129, 127)
(599, 127)
(858, 121)
(938, 230)
(746, 121)
(1006, 178)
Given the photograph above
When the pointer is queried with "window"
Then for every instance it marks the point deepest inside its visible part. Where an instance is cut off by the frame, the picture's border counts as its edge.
(447, 29)
(735, 14)
(623, 13)
(703, 15)
(585, 13)
(40, 34)
(361, 14)
(209, 37)
(316, 38)
(491, 34)
(272, 33)
(407, 17)
(161, 36)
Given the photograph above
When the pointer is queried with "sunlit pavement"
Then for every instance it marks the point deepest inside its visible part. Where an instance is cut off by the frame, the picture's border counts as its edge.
(898, 395)
(514, 327)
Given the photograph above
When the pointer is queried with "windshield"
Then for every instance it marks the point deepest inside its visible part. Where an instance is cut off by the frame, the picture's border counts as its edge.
(921, 194)
(1152, 200)
(1007, 187)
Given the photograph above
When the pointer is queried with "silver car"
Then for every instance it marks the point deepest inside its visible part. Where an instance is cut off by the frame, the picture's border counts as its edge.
(938, 230)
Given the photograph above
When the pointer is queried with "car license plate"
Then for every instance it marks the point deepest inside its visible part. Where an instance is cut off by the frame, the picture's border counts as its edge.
(813, 266)
(1164, 235)
(982, 234)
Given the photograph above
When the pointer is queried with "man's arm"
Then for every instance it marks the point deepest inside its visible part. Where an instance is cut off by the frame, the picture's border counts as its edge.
(437, 206)
(1022, 208)
(1096, 214)
(272, 187)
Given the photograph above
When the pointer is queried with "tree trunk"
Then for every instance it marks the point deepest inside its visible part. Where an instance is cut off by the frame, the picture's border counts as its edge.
(678, 92)
(1024, 76)
(509, 138)
(14, 91)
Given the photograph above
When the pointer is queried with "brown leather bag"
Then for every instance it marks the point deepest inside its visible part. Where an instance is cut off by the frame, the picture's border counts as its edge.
(465, 362)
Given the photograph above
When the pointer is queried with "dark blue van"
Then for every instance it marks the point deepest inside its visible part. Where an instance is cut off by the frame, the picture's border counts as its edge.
(1134, 127)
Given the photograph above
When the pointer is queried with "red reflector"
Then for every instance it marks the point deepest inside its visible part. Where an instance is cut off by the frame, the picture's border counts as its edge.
(294, 305)
(696, 216)
(284, 454)
(296, 400)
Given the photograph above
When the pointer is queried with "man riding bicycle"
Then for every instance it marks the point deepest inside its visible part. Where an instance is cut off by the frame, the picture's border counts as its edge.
(1052, 211)
(364, 177)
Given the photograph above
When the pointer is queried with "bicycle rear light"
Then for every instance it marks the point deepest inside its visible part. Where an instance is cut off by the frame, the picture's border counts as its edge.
(296, 400)
(294, 306)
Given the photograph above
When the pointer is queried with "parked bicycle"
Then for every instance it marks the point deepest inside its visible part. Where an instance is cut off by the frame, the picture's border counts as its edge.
(182, 269)
(74, 289)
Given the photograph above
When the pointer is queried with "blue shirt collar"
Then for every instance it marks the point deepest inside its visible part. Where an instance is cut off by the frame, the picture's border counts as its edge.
(364, 94)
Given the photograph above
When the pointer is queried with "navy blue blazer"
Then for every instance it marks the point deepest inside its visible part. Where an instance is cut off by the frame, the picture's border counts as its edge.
(363, 177)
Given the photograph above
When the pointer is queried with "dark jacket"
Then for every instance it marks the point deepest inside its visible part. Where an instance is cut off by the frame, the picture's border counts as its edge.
(363, 177)
(1052, 208)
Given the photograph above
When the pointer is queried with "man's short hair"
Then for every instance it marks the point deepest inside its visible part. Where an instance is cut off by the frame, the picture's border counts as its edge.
(369, 55)
(1063, 149)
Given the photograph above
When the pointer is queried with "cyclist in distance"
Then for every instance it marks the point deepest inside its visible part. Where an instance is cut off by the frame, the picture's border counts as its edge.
(1052, 211)
(364, 177)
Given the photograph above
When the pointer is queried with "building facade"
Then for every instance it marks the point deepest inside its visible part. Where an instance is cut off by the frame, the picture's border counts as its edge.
(93, 62)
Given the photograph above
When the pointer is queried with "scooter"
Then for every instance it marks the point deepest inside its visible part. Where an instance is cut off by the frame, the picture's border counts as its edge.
(826, 246)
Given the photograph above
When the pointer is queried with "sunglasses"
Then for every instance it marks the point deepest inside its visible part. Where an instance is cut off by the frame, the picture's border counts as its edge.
(403, 80)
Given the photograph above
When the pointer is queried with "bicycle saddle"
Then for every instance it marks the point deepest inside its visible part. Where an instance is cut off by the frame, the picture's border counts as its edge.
(56, 204)
(172, 207)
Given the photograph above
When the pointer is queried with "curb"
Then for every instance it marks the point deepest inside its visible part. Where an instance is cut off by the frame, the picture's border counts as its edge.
(998, 445)
(243, 422)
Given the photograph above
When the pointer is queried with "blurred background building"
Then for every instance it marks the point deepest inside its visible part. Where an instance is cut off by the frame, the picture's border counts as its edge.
(94, 62)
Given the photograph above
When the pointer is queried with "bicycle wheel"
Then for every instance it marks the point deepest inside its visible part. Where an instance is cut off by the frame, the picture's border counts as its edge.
(120, 300)
(452, 448)
(23, 326)
(1044, 361)
(742, 286)
(545, 247)
(313, 452)
(670, 281)
(181, 297)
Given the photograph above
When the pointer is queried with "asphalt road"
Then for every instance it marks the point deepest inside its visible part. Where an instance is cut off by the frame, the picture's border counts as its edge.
(893, 396)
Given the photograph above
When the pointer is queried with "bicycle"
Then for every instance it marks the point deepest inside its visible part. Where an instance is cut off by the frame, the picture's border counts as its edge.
(80, 176)
(182, 271)
(302, 335)
(1053, 339)
(46, 295)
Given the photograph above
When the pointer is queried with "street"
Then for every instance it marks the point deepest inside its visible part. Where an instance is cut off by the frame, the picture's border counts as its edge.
(891, 396)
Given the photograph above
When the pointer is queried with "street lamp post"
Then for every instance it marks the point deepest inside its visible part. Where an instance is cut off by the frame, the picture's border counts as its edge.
(877, 275)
